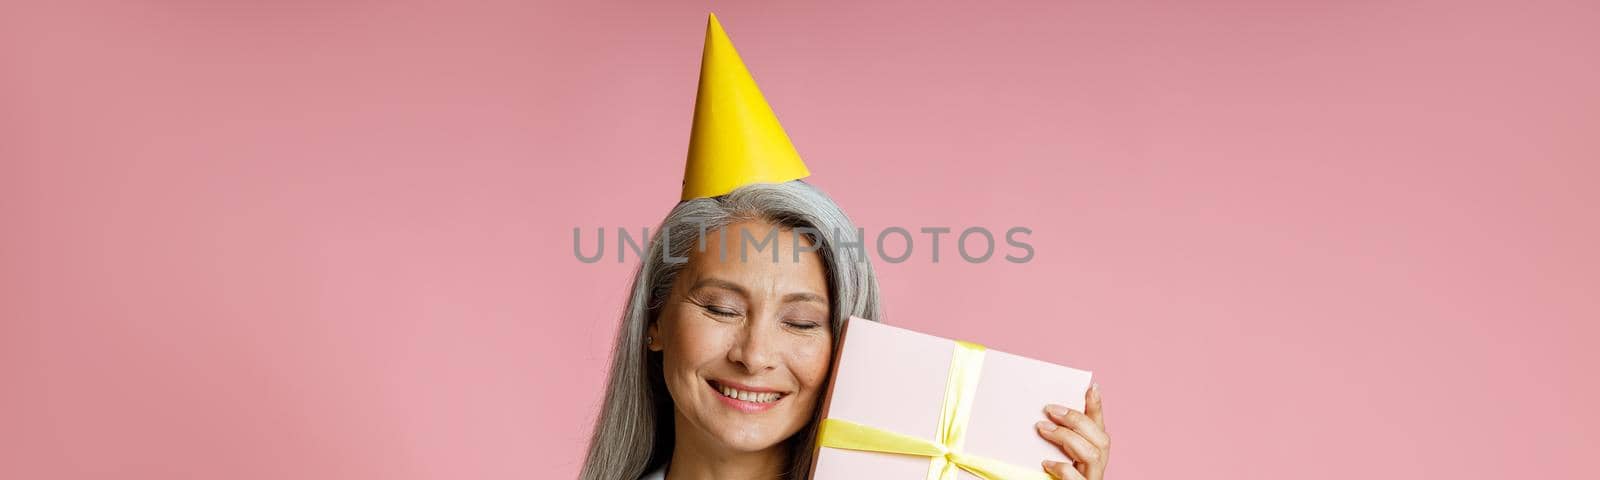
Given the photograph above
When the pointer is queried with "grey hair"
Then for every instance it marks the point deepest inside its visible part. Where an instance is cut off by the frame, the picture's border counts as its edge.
(633, 432)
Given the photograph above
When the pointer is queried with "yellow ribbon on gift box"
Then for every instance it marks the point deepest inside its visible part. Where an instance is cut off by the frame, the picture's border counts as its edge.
(944, 453)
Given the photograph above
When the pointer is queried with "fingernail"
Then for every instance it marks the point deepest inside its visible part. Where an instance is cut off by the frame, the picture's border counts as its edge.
(1046, 426)
(1049, 464)
(1095, 387)
(1056, 410)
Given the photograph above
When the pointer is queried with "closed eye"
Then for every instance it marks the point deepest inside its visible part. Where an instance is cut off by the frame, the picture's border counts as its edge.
(802, 325)
(721, 311)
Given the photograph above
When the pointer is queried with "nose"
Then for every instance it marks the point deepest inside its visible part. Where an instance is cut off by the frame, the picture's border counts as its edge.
(754, 350)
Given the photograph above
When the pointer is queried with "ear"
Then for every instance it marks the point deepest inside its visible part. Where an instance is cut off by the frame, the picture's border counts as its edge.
(653, 336)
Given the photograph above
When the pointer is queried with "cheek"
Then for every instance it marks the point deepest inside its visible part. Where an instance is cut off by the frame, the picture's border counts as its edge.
(811, 364)
(694, 342)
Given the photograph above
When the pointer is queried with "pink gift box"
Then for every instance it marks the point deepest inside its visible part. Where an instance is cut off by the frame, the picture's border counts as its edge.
(894, 379)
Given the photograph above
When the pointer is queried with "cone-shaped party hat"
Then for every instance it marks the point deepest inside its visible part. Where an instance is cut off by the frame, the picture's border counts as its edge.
(736, 140)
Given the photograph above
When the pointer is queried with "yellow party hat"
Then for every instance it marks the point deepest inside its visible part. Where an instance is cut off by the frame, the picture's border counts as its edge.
(736, 140)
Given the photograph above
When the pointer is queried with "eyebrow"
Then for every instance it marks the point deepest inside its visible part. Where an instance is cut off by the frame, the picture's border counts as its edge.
(804, 297)
(736, 288)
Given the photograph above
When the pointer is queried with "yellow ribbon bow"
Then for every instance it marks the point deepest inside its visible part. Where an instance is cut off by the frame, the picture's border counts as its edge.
(945, 453)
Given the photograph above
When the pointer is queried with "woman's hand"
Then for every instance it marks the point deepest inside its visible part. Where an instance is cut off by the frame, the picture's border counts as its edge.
(1080, 435)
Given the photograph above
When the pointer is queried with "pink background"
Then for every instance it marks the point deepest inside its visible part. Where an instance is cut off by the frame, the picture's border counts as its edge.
(1313, 240)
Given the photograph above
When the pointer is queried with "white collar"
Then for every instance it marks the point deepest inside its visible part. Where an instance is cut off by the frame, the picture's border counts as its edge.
(659, 474)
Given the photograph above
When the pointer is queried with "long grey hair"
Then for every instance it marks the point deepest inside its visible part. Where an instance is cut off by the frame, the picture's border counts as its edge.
(633, 432)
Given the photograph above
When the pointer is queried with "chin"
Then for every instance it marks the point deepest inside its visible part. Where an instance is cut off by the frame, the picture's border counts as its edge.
(752, 438)
(740, 432)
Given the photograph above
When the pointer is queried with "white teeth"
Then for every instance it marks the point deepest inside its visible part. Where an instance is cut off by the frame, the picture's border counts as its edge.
(754, 397)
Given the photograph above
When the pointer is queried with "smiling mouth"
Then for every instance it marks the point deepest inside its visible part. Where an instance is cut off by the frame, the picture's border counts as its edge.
(745, 396)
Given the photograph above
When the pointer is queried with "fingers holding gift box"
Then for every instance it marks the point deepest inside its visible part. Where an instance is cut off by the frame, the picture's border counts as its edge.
(1081, 436)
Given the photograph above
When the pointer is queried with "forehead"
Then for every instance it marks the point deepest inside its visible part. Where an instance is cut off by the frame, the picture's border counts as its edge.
(744, 253)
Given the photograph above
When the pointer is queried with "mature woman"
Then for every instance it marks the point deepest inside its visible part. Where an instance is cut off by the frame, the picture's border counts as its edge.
(724, 349)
